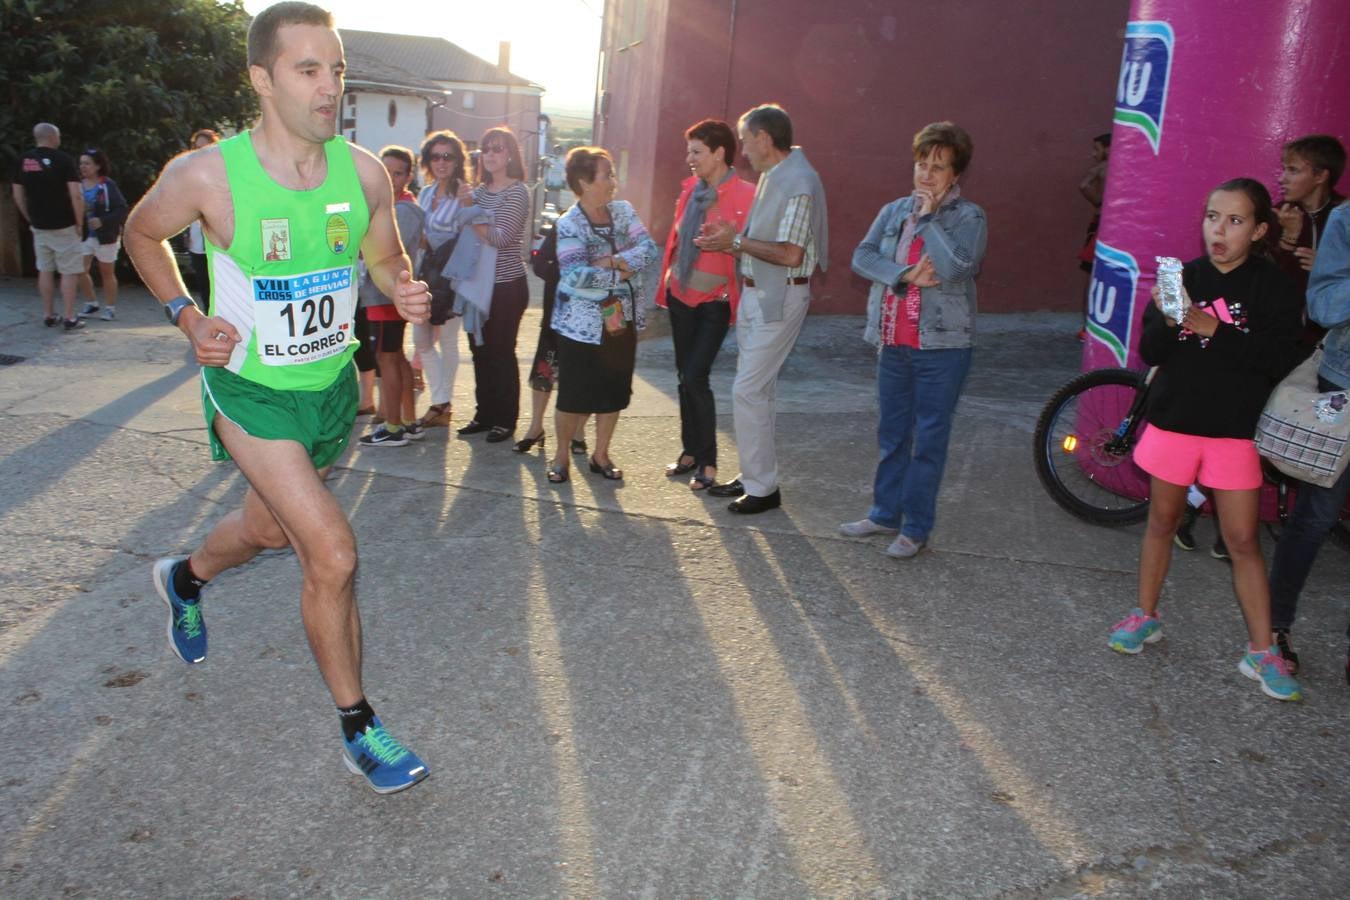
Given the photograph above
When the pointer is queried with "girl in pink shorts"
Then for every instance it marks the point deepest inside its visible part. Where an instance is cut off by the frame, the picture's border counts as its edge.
(1216, 368)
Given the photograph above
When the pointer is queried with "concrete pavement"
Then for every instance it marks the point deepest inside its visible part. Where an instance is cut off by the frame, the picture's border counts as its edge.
(624, 689)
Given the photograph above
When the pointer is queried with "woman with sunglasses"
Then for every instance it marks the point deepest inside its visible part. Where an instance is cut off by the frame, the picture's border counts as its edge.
(495, 369)
(437, 342)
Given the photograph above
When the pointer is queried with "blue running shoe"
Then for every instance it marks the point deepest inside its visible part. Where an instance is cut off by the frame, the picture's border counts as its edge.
(1273, 672)
(388, 765)
(187, 631)
(1134, 631)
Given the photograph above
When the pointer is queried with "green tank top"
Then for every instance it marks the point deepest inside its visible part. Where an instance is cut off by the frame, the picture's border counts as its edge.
(287, 281)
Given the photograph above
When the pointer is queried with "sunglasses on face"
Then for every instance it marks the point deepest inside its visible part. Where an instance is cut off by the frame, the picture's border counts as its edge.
(444, 157)
(495, 148)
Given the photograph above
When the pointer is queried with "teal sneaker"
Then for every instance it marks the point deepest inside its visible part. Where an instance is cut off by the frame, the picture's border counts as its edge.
(1134, 631)
(186, 630)
(1272, 671)
(386, 764)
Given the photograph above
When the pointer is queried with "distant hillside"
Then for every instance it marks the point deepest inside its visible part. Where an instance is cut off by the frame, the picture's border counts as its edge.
(567, 112)
(563, 122)
(571, 129)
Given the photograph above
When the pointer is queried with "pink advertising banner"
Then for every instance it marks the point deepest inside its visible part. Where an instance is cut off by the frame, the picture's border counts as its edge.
(1207, 92)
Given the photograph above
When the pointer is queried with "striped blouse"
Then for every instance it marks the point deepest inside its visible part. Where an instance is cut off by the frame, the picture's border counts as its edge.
(511, 209)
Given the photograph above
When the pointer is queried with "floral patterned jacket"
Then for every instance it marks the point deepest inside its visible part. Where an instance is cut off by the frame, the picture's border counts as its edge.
(584, 287)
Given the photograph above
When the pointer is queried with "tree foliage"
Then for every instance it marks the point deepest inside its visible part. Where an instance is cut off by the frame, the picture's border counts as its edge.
(133, 77)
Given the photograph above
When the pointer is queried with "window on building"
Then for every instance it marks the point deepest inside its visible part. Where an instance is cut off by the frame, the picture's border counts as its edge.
(349, 118)
(467, 100)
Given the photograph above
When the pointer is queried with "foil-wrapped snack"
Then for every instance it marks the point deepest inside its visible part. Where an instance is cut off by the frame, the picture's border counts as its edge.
(1174, 300)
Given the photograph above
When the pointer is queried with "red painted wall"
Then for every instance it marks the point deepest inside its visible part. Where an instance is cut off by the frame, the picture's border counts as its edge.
(1032, 83)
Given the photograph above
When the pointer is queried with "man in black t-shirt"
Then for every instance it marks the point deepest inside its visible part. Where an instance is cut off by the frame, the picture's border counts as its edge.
(47, 193)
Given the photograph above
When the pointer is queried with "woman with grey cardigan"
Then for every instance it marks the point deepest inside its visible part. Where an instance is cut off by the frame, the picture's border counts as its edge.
(922, 255)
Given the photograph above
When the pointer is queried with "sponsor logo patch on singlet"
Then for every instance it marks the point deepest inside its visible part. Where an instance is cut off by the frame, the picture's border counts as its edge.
(276, 239)
(338, 233)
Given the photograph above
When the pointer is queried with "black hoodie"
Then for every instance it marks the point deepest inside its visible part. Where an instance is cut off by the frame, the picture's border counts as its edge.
(1217, 386)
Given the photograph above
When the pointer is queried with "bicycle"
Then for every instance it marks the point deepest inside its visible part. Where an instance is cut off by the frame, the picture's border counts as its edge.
(1084, 453)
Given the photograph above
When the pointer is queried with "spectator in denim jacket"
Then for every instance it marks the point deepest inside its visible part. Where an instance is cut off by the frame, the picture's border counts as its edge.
(922, 255)
(1316, 509)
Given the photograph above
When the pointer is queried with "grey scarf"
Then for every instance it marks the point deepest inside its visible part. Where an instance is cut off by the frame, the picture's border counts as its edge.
(695, 211)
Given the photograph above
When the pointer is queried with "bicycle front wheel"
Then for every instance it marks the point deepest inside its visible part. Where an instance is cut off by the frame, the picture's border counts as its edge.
(1082, 458)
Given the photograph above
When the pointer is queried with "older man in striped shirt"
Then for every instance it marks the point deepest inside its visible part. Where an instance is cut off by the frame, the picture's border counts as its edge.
(784, 240)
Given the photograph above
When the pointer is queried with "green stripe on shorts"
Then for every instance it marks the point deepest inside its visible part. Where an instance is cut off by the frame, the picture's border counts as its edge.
(320, 421)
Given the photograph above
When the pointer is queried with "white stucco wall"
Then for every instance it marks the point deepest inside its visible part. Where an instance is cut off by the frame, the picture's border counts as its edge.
(371, 115)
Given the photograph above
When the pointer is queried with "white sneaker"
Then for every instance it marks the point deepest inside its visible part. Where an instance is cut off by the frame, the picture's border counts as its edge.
(108, 314)
(863, 528)
(904, 548)
(88, 311)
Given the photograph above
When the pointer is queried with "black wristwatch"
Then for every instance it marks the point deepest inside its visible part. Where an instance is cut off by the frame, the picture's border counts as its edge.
(174, 308)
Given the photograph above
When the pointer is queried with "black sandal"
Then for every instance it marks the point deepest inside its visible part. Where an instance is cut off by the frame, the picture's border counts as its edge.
(607, 470)
(557, 474)
(679, 466)
(702, 480)
(526, 444)
(579, 447)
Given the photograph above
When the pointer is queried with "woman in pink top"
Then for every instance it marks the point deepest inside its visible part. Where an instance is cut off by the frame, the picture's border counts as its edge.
(701, 290)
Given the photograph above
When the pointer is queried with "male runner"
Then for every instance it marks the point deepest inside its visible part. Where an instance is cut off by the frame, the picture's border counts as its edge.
(284, 209)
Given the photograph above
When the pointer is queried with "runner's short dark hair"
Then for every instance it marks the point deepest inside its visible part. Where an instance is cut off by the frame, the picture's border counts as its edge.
(262, 33)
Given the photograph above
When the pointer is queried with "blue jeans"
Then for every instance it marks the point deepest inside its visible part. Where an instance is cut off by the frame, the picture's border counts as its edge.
(917, 392)
(1316, 509)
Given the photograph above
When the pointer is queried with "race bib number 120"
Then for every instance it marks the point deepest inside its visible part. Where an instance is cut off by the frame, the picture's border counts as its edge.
(303, 318)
